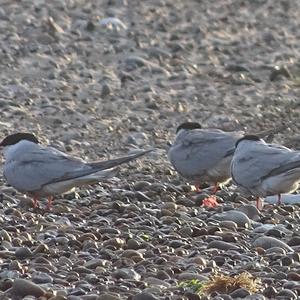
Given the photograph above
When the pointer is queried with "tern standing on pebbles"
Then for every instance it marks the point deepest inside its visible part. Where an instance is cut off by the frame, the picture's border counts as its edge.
(262, 169)
(41, 171)
(204, 155)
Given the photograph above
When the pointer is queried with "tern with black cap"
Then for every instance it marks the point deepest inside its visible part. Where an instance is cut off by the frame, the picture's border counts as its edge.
(261, 169)
(204, 154)
(42, 171)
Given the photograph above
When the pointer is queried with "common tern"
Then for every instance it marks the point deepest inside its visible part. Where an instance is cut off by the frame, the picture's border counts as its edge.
(43, 171)
(204, 155)
(261, 169)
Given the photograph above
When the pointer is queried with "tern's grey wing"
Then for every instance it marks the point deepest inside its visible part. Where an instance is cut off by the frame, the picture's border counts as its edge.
(200, 150)
(209, 135)
(108, 164)
(211, 144)
(47, 165)
(100, 166)
(293, 163)
(261, 161)
(40, 166)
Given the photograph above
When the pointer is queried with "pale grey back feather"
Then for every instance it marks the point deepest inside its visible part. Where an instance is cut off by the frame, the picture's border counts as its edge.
(36, 166)
(196, 151)
(255, 161)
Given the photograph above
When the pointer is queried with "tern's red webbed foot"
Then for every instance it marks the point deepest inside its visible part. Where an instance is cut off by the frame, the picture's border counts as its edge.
(210, 201)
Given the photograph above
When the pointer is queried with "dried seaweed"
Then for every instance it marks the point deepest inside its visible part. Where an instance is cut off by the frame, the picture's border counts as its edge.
(226, 284)
(223, 284)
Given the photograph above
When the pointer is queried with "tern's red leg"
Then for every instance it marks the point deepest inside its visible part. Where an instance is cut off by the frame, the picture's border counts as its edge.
(49, 203)
(35, 201)
(197, 186)
(279, 199)
(215, 188)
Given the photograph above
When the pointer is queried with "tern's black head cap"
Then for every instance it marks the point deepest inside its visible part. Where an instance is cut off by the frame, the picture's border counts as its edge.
(249, 137)
(188, 126)
(17, 137)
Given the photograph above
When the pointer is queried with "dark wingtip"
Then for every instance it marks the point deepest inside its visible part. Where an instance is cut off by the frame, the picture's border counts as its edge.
(111, 163)
(189, 126)
(17, 137)
(141, 153)
(249, 137)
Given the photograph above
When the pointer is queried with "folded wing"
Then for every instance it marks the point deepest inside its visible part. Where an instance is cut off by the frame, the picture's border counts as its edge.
(262, 161)
(201, 150)
(43, 166)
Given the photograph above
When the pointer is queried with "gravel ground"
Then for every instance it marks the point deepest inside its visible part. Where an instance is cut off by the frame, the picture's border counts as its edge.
(98, 90)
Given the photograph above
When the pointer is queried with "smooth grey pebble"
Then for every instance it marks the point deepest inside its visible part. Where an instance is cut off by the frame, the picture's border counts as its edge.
(144, 296)
(22, 288)
(41, 277)
(239, 293)
(222, 245)
(267, 242)
(240, 218)
(288, 294)
(23, 252)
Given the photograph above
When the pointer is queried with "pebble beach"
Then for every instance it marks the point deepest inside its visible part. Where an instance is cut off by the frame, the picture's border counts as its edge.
(101, 79)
